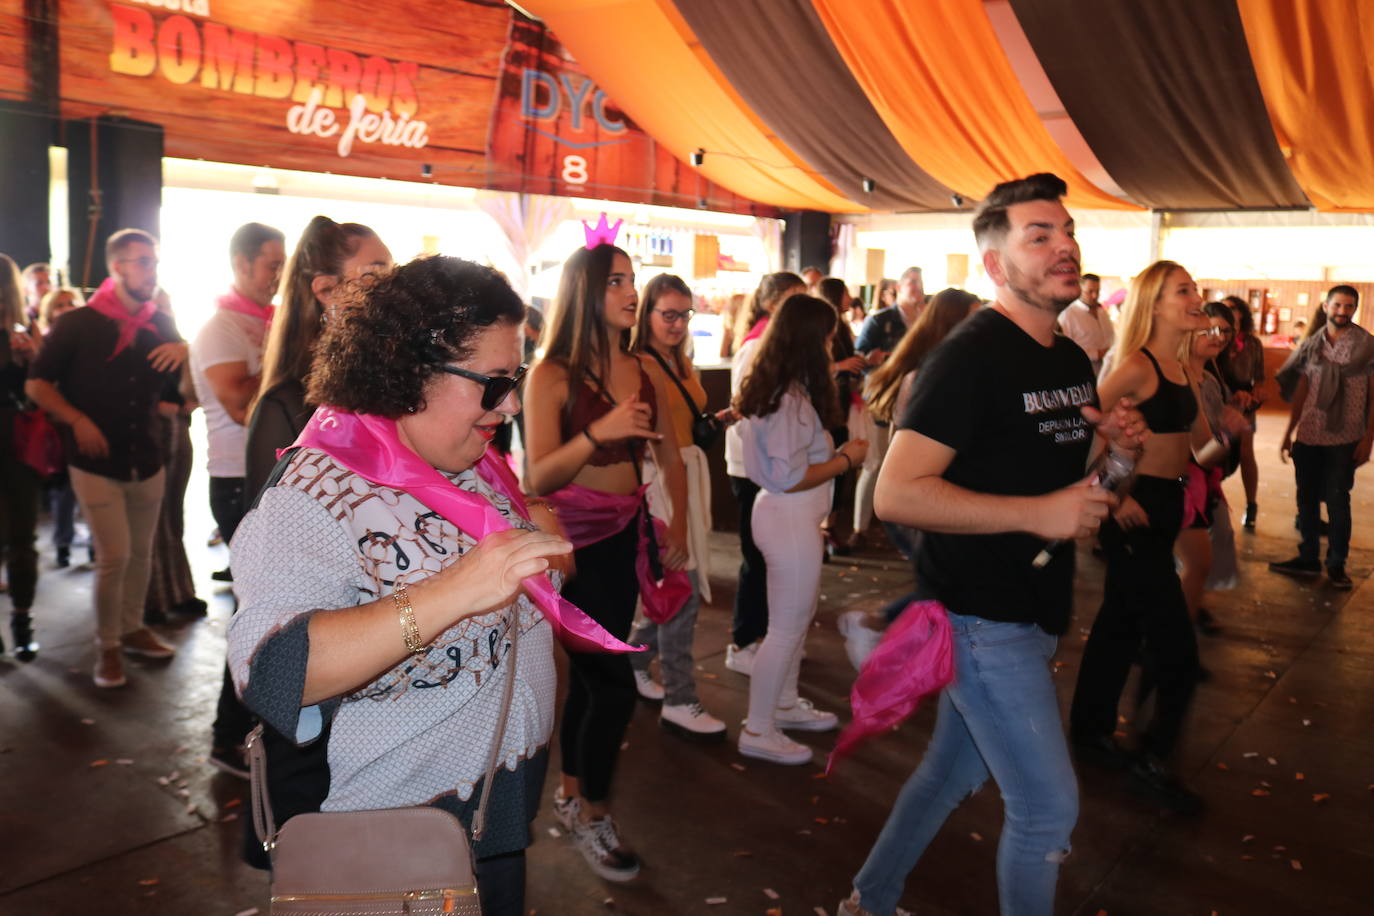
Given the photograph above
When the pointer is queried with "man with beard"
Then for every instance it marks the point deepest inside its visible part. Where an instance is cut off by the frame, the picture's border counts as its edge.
(989, 461)
(1087, 323)
(1330, 381)
(101, 373)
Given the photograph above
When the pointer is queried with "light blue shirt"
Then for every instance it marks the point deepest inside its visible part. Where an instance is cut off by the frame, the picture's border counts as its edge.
(780, 447)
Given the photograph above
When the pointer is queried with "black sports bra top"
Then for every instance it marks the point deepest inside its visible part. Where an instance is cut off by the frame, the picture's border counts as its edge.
(1172, 408)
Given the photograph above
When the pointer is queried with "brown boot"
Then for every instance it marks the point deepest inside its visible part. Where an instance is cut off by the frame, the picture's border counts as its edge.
(109, 669)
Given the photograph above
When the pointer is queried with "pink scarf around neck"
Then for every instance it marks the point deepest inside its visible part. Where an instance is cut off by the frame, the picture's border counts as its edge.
(235, 301)
(369, 447)
(106, 301)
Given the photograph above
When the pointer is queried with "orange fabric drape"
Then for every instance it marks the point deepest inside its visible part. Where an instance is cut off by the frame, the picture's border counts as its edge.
(644, 56)
(1312, 60)
(938, 76)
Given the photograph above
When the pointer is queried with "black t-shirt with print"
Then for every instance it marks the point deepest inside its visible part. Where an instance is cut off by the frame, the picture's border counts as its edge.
(1009, 407)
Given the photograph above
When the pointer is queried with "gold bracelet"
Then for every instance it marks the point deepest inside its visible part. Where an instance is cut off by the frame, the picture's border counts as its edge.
(410, 630)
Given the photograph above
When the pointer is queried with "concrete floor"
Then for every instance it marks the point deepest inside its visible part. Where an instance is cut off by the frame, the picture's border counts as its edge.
(106, 805)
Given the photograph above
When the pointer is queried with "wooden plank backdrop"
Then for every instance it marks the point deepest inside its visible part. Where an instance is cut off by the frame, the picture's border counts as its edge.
(224, 78)
(14, 78)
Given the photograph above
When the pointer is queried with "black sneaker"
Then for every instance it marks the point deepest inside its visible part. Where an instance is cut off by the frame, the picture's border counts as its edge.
(1150, 779)
(1335, 577)
(229, 760)
(191, 607)
(1303, 569)
(223, 575)
(1251, 514)
(1102, 751)
(1206, 623)
(64, 557)
(25, 649)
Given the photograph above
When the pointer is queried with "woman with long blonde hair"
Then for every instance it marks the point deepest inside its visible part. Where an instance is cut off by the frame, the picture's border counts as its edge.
(1143, 600)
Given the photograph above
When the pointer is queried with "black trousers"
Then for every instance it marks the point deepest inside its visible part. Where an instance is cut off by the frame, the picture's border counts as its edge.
(21, 487)
(751, 593)
(1142, 603)
(601, 685)
(233, 721)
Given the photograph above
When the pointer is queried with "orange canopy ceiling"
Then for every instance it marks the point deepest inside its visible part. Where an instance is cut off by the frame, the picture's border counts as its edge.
(1312, 61)
(645, 57)
(940, 80)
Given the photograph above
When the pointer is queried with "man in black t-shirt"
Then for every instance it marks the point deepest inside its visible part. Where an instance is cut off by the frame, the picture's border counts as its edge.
(990, 462)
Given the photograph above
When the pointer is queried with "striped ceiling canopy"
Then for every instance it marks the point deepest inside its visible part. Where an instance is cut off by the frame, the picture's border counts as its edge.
(902, 105)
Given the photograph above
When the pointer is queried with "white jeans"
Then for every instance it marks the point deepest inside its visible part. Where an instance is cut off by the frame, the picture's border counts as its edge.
(787, 530)
(868, 477)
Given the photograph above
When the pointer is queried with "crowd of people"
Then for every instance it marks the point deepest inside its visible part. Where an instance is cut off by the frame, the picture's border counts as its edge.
(384, 541)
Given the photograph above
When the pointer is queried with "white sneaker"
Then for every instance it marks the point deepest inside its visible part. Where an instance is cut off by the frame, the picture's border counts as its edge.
(859, 639)
(600, 845)
(691, 721)
(773, 746)
(565, 809)
(850, 907)
(648, 688)
(741, 661)
(805, 717)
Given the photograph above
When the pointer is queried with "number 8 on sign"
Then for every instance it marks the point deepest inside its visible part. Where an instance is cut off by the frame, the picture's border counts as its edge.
(574, 170)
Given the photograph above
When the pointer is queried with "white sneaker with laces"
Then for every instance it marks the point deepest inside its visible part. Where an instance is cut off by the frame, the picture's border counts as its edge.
(805, 717)
(859, 639)
(741, 661)
(647, 687)
(600, 845)
(691, 721)
(565, 809)
(774, 747)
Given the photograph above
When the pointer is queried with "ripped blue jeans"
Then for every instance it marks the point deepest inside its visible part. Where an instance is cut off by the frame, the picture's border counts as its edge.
(999, 717)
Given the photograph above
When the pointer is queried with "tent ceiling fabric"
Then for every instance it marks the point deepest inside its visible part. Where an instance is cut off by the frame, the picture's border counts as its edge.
(817, 107)
(1194, 137)
(954, 102)
(637, 51)
(1311, 58)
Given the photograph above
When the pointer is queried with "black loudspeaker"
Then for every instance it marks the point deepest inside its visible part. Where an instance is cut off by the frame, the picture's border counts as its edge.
(806, 241)
(114, 181)
(24, 135)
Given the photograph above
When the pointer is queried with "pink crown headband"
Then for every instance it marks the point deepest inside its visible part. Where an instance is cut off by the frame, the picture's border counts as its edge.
(602, 233)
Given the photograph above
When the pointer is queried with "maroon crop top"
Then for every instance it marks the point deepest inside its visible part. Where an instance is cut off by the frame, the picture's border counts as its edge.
(590, 404)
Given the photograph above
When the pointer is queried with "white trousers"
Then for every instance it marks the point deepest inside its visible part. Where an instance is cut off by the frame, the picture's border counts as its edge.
(787, 530)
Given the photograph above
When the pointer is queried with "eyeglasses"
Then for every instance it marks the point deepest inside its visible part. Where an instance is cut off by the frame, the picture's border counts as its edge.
(495, 388)
(673, 317)
(1218, 331)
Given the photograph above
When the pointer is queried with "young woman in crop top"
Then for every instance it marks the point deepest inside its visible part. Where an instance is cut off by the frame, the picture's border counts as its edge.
(1142, 598)
(591, 412)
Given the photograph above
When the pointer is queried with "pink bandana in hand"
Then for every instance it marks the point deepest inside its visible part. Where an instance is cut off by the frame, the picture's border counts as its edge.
(369, 447)
(106, 302)
(589, 516)
(914, 659)
(235, 301)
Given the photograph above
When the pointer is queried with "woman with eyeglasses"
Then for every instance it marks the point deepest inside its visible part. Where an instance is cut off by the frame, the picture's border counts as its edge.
(391, 566)
(1144, 611)
(591, 409)
(662, 334)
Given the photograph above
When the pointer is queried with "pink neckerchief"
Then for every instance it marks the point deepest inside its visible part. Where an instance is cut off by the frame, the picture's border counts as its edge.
(369, 447)
(588, 516)
(915, 658)
(235, 301)
(106, 302)
(756, 330)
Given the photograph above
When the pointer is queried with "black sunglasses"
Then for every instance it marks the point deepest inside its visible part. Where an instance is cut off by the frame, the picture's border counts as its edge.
(495, 388)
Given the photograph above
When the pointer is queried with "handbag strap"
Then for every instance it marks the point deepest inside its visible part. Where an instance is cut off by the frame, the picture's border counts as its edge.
(696, 411)
(264, 823)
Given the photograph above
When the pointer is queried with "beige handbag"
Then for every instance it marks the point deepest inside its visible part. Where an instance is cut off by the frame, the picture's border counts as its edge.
(369, 863)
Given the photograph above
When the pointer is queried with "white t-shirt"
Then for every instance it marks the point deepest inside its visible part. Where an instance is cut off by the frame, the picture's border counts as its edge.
(1090, 328)
(228, 337)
